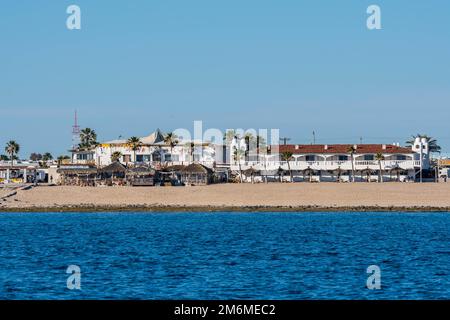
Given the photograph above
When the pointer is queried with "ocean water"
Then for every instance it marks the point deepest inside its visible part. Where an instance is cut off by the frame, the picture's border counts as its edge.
(225, 255)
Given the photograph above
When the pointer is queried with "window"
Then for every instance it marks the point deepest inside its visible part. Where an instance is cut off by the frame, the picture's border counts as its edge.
(401, 157)
(342, 158)
(85, 156)
(171, 157)
(310, 158)
(156, 156)
(126, 158)
(139, 158)
(368, 157)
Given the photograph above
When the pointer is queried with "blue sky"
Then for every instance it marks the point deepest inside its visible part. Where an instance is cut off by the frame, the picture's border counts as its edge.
(290, 64)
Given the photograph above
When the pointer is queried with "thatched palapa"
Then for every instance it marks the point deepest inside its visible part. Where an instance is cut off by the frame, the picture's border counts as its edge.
(141, 176)
(78, 175)
(197, 174)
(114, 174)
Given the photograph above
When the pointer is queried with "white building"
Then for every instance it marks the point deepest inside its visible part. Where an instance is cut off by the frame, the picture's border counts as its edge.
(334, 162)
(316, 162)
(19, 172)
(153, 151)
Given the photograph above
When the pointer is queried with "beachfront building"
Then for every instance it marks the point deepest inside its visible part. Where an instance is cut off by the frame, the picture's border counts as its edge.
(196, 174)
(114, 174)
(74, 175)
(152, 151)
(18, 172)
(334, 162)
(141, 176)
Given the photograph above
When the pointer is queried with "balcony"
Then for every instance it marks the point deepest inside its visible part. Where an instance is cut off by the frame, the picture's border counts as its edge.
(79, 161)
(328, 165)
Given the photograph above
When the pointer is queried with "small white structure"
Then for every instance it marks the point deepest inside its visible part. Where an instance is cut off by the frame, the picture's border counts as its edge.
(18, 172)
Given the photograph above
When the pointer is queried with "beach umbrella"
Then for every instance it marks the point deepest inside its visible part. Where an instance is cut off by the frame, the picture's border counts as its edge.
(308, 171)
(337, 172)
(251, 172)
(397, 170)
(368, 172)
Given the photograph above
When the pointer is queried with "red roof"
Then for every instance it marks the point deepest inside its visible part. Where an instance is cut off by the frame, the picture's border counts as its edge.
(340, 148)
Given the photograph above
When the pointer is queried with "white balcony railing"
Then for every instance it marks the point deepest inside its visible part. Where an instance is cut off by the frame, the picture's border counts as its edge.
(329, 165)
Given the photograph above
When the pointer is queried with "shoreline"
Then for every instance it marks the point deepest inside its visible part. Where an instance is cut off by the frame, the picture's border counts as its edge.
(214, 209)
(301, 197)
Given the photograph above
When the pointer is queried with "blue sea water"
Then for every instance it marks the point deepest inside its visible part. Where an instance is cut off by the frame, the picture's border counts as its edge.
(225, 255)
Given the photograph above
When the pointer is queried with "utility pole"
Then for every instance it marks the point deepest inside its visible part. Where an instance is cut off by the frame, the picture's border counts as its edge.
(75, 135)
(314, 137)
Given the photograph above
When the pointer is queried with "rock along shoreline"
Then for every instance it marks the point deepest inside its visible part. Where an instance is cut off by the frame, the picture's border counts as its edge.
(196, 209)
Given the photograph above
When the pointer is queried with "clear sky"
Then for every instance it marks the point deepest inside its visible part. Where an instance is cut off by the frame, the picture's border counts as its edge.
(290, 64)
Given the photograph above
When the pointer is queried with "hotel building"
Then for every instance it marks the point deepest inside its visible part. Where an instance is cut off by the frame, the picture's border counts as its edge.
(334, 162)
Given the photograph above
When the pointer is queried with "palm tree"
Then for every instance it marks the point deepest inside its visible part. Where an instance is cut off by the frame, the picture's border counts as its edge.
(35, 156)
(351, 150)
(88, 139)
(379, 157)
(264, 151)
(135, 144)
(260, 145)
(191, 146)
(115, 156)
(432, 143)
(339, 173)
(47, 157)
(12, 148)
(230, 135)
(171, 140)
(250, 142)
(237, 155)
(4, 157)
(287, 156)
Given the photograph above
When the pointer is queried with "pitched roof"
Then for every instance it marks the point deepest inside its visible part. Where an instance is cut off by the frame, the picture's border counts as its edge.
(174, 168)
(76, 169)
(141, 170)
(251, 171)
(116, 166)
(196, 168)
(340, 148)
(155, 137)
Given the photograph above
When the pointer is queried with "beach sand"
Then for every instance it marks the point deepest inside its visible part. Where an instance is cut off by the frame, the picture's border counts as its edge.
(236, 197)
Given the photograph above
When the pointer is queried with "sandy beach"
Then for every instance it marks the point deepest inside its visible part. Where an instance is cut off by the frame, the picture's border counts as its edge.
(235, 197)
